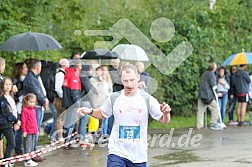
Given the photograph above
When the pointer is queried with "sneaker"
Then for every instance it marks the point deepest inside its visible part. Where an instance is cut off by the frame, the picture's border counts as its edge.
(38, 159)
(216, 126)
(61, 141)
(223, 125)
(8, 165)
(17, 154)
(86, 143)
(83, 141)
(30, 163)
(240, 123)
(199, 128)
(103, 139)
(230, 123)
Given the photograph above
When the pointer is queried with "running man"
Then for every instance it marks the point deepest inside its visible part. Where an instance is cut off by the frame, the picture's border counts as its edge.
(128, 139)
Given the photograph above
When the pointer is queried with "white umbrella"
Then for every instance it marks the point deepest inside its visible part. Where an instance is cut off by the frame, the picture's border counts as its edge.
(130, 52)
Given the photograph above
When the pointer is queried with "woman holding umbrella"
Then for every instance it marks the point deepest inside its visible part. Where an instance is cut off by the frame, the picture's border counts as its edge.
(241, 81)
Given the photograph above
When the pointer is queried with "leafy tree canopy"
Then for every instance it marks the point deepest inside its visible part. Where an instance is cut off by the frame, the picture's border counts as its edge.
(214, 34)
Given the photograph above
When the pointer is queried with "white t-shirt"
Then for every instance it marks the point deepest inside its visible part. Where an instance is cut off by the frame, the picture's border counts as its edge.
(59, 80)
(12, 104)
(128, 138)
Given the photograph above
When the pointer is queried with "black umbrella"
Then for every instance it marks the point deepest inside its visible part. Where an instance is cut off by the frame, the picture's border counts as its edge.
(30, 41)
(99, 54)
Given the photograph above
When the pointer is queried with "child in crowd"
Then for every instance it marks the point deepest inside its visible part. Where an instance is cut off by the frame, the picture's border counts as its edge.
(9, 95)
(29, 125)
(8, 117)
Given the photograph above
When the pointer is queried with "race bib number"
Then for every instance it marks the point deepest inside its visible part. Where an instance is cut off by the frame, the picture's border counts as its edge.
(129, 132)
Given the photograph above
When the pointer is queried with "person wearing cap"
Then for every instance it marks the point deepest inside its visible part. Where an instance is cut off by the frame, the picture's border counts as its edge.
(59, 80)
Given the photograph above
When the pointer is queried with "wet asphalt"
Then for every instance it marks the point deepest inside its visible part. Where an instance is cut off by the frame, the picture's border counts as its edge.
(231, 147)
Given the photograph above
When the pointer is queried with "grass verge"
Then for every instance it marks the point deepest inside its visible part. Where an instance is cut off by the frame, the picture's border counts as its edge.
(187, 122)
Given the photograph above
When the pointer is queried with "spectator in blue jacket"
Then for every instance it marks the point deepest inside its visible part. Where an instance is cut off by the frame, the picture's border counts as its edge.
(31, 84)
(242, 82)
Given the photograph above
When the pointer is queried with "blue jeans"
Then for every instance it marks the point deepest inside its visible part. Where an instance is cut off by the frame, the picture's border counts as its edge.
(69, 122)
(54, 114)
(232, 103)
(39, 116)
(84, 121)
(110, 124)
(83, 126)
(68, 131)
(104, 126)
(222, 104)
(18, 139)
(114, 160)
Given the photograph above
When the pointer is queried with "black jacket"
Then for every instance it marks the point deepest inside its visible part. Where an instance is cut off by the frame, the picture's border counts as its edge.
(6, 116)
(232, 90)
(242, 82)
(19, 84)
(31, 84)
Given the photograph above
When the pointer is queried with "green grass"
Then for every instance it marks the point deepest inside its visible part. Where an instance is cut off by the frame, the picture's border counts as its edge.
(176, 122)
(187, 122)
(43, 140)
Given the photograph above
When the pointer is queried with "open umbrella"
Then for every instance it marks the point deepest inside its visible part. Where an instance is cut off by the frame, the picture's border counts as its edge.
(238, 58)
(130, 52)
(99, 54)
(30, 41)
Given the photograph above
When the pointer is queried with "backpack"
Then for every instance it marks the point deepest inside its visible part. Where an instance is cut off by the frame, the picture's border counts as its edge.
(145, 95)
(47, 75)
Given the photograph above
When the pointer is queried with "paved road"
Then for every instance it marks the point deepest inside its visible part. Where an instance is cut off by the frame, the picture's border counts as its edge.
(231, 147)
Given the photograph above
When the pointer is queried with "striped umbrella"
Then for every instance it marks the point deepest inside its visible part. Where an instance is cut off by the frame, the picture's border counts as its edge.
(238, 59)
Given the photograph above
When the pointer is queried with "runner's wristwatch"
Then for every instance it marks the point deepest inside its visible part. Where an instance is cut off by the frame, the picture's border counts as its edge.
(92, 111)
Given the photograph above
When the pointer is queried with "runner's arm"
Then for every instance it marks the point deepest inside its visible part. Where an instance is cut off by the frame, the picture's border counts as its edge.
(96, 113)
(165, 109)
(165, 119)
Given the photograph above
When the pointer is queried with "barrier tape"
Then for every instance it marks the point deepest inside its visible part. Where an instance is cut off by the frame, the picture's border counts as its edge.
(38, 152)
